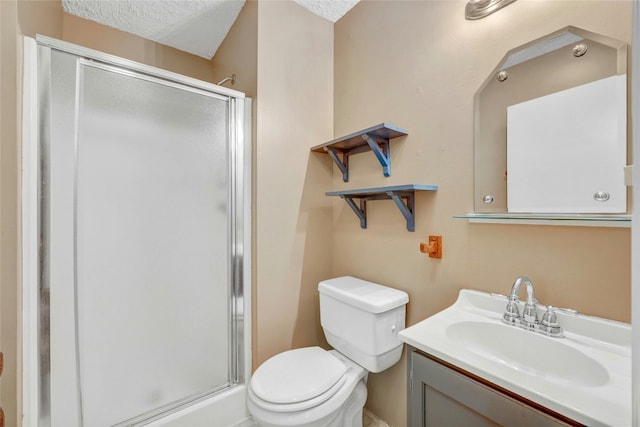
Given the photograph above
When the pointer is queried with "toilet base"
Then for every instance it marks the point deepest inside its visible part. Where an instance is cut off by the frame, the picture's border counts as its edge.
(352, 412)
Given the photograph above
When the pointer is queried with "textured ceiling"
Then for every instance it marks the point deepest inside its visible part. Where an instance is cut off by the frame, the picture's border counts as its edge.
(194, 26)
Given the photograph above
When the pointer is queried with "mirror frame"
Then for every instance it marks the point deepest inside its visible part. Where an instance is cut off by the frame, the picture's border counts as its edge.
(494, 157)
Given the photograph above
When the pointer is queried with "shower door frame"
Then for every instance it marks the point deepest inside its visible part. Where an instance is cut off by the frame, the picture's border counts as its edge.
(35, 127)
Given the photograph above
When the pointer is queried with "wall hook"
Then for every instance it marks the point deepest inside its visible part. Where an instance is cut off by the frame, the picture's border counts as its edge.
(433, 247)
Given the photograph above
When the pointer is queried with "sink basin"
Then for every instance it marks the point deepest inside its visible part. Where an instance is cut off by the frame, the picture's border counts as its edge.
(529, 353)
(584, 376)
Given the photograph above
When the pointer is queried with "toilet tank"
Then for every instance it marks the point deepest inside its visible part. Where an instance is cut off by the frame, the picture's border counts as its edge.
(362, 319)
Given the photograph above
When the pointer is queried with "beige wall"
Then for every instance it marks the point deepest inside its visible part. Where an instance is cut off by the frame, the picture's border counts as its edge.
(417, 64)
(293, 219)
(238, 53)
(9, 334)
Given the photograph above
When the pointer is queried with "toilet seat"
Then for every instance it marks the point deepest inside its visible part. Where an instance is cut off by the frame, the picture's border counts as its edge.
(297, 380)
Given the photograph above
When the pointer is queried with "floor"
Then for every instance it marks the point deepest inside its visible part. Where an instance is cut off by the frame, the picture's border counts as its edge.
(246, 423)
(368, 420)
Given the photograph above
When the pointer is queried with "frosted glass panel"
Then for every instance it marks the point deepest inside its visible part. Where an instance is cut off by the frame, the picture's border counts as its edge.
(566, 151)
(152, 242)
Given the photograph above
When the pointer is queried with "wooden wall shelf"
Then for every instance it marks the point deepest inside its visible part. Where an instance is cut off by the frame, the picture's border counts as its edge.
(402, 195)
(375, 138)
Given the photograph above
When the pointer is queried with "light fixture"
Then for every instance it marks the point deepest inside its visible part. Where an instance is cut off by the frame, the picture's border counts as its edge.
(477, 9)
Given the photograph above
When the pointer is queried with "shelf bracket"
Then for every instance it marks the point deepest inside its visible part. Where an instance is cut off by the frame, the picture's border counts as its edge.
(360, 211)
(380, 148)
(405, 209)
(343, 164)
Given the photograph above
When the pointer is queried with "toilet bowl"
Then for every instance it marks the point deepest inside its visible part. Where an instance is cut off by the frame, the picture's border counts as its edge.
(320, 389)
(313, 387)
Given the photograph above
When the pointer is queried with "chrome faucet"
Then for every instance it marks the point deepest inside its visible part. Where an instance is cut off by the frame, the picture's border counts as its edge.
(529, 320)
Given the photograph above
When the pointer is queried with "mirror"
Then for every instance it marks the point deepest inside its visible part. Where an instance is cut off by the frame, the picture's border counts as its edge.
(528, 89)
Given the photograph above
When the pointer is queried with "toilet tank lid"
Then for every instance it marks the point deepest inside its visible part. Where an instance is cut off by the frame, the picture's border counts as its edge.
(365, 295)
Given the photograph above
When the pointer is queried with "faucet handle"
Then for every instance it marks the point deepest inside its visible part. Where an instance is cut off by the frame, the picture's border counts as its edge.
(529, 315)
(511, 313)
(549, 318)
(549, 324)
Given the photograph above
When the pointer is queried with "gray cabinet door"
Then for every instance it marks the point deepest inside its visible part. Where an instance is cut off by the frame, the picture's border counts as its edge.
(439, 396)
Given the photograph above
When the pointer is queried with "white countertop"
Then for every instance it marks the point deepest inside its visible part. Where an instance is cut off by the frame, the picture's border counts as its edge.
(600, 398)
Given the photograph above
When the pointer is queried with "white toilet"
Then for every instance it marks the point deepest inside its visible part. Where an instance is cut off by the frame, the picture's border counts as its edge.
(313, 387)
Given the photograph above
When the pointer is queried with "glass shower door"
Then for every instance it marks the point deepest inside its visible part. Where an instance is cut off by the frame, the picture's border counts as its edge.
(138, 219)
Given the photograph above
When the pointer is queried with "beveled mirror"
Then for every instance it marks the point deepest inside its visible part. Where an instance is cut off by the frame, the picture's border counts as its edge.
(528, 89)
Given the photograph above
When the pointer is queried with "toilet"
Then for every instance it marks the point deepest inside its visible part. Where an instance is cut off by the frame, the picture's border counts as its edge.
(313, 387)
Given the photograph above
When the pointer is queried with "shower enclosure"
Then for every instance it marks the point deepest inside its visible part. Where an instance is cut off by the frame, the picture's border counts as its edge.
(136, 219)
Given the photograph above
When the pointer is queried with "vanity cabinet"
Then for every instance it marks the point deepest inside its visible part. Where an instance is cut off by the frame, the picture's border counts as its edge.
(441, 395)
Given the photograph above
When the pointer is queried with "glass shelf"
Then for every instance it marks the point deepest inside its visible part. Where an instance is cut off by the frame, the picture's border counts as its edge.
(577, 220)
